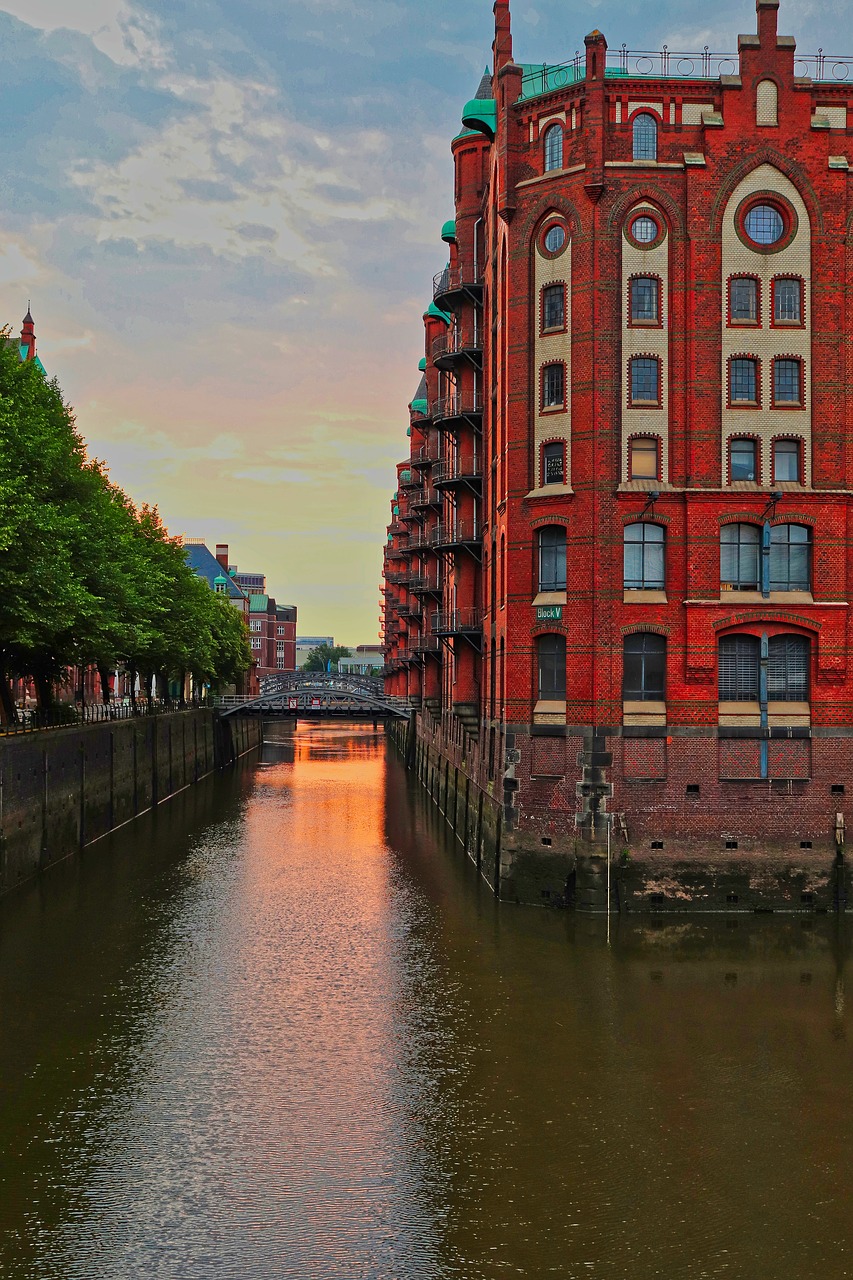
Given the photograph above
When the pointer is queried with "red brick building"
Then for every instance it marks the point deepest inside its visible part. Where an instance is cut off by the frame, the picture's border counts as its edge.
(619, 564)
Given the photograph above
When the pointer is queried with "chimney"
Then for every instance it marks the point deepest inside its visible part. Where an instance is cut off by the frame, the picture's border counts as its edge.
(502, 46)
(222, 554)
(768, 14)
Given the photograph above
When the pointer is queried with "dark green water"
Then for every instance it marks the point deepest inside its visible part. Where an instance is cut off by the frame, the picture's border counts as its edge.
(280, 1030)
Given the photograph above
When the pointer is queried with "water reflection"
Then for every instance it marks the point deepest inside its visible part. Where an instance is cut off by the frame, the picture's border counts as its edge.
(283, 1030)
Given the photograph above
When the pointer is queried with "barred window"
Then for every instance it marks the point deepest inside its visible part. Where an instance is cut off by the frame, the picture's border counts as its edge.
(553, 147)
(788, 669)
(790, 557)
(645, 380)
(553, 463)
(787, 301)
(743, 300)
(644, 668)
(743, 381)
(645, 137)
(787, 378)
(643, 557)
(740, 557)
(551, 663)
(554, 307)
(553, 386)
(552, 558)
(738, 668)
(645, 292)
(643, 458)
(786, 460)
(743, 460)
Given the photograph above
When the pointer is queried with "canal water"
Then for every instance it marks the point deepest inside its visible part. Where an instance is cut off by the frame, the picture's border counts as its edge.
(280, 1029)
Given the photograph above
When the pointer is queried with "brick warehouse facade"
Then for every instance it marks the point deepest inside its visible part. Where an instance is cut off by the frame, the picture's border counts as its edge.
(616, 578)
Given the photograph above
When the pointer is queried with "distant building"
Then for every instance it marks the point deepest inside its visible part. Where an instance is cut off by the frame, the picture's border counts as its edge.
(363, 660)
(254, 584)
(304, 645)
(214, 570)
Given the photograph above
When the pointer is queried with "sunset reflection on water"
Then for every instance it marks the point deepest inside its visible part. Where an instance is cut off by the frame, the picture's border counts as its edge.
(281, 1029)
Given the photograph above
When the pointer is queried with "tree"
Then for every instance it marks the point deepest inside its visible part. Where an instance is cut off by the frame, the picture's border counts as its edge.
(320, 657)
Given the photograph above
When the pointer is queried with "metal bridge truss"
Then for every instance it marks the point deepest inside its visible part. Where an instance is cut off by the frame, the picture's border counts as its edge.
(318, 694)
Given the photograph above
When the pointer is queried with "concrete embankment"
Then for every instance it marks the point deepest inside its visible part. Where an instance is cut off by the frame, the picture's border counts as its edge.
(63, 789)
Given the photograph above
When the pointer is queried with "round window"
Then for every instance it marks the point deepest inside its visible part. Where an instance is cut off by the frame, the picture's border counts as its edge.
(644, 229)
(764, 224)
(555, 238)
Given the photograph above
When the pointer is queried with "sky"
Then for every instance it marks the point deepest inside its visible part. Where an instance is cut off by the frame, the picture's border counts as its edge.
(227, 217)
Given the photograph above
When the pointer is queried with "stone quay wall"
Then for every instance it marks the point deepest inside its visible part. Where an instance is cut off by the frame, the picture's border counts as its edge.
(63, 789)
(526, 841)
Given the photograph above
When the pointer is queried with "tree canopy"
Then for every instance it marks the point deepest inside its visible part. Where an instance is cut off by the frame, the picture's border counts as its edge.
(86, 578)
(320, 657)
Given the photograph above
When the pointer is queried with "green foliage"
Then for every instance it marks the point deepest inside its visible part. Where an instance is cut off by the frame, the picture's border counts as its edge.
(319, 658)
(85, 578)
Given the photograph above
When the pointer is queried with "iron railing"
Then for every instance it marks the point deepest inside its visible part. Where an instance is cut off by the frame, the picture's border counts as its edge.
(70, 717)
(426, 455)
(456, 342)
(452, 279)
(457, 534)
(426, 584)
(452, 469)
(462, 405)
(457, 622)
(424, 644)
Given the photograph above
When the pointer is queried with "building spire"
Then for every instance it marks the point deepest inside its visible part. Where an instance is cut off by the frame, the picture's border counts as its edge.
(502, 46)
(28, 336)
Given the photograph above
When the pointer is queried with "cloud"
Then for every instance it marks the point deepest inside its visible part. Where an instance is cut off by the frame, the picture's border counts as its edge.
(113, 26)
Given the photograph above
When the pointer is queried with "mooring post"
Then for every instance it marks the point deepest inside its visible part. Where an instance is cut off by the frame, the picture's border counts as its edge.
(411, 738)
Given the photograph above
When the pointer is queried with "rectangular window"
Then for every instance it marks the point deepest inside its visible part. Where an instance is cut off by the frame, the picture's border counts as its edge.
(740, 557)
(644, 668)
(645, 292)
(256, 642)
(280, 630)
(644, 557)
(554, 307)
(553, 464)
(551, 662)
(645, 380)
(552, 559)
(553, 387)
(738, 668)
(743, 300)
(787, 302)
(255, 625)
(743, 381)
(788, 669)
(787, 378)
(786, 461)
(279, 662)
(643, 459)
(790, 557)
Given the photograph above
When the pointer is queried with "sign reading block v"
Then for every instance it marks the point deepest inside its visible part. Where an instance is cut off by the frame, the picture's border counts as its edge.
(549, 612)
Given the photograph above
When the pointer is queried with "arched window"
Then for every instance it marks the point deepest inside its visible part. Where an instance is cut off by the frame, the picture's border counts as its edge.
(645, 300)
(645, 137)
(644, 667)
(743, 459)
(790, 557)
(551, 666)
(644, 458)
(553, 147)
(766, 103)
(644, 556)
(740, 557)
(552, 558)
(787, 456)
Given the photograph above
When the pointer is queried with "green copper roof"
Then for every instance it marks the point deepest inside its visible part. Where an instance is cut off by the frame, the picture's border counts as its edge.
(408, 431)
(436, 313)
(481, 115)
(395, 510)
(448, 231)
(405, 477)
(422, 364)
(258, 604)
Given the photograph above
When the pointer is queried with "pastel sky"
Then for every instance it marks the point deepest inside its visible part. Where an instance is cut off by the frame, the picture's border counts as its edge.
(227, 217)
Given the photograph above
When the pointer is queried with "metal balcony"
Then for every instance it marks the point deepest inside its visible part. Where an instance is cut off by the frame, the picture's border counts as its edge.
(466, 534)
(455, 345)
(426, 497)
(465, 405)
(458, 622)
(426, 456)
(396, 575)
(453, 284)
(424, 645)
(452, 472)
(427, 584)
(397, 553)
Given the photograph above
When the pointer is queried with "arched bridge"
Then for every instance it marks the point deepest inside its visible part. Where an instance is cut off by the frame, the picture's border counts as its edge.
(318, 694)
